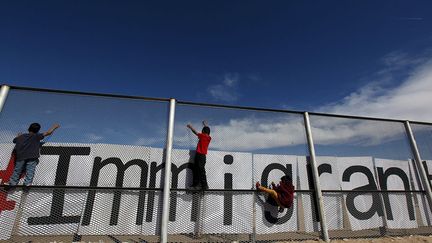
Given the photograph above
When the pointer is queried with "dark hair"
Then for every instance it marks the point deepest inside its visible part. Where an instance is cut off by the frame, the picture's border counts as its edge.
(34, 127)
(286, 179)
(206, 130)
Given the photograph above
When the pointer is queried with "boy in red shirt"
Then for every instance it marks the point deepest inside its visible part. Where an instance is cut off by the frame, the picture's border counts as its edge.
(198, 169)
(283, 193)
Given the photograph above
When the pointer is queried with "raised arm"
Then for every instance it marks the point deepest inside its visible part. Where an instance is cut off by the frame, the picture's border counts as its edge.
(51, 130)
(192, 129)
(205, 123)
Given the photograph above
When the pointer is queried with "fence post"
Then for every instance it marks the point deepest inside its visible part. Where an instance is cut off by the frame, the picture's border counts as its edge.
(167, 178)
(318, 193)
(3, 95)
(254, 195)
(418, 161)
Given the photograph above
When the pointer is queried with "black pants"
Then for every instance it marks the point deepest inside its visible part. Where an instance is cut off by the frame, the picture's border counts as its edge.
(199, 173)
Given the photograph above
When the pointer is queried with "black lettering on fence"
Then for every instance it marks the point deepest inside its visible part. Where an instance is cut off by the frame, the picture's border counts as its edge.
(314, 201)
(154, 169)
(228, 196)
(287, 170)
(383, 176)
(174, 184)
(322, 168)
(429, 175)
(58, 199)
(121, 169)
(325, 168)
(376, 205)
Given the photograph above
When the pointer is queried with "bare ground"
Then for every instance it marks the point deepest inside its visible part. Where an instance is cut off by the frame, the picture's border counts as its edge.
(406, 239)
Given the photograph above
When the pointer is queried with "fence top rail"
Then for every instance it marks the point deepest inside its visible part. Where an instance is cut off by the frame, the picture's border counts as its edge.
(88, 93)
(301, 112)
(210, 105)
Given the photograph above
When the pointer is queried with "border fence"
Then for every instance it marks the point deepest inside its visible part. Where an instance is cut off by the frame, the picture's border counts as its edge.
(119, 167)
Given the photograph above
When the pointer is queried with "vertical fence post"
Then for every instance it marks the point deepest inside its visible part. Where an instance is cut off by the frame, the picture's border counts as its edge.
(254, 196)
(3, 95)
(167, 178)
(418, 161)
(318, 193)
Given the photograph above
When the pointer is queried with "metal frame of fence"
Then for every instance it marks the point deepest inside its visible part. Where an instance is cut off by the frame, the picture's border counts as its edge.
(169, 144)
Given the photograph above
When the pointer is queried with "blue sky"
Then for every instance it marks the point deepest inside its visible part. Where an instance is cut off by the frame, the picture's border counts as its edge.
(368, 58)
(280, 54)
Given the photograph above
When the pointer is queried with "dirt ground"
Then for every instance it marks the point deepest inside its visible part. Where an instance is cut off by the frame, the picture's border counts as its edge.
(406, 239)
(127, 239)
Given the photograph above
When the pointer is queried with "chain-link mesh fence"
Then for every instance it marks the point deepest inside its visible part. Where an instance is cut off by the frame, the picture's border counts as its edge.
(423, 136)
(377, 214)
(100, 175)
(368, 155)
(107, 142)
(247, 146)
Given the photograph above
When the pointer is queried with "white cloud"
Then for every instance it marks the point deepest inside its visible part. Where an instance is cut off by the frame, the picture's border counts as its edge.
(250, 133)
(147, 141)
(230, 80)
(49, 112)
(410, 100)
(402, 89)
(93, 137)
(330, 131)
(226, 90)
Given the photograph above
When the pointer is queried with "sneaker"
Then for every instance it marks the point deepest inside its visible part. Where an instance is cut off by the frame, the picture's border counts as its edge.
(197, 188)
(26, 188)
(257, 185)
(193, 187)
(8, 186)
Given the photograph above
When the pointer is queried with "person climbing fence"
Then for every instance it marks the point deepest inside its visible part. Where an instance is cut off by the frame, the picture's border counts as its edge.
(198, 169)
(27, 151)
(282, 194)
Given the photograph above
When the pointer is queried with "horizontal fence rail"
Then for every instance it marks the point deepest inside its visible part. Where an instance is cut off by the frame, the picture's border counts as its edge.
(207, 104)
(190, 190)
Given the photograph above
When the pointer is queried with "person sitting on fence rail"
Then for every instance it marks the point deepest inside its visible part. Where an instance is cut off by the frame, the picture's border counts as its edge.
(27, 149)
(282, 194)
(198, 171)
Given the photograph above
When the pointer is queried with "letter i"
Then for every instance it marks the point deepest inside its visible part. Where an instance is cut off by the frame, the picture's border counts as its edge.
(228, 196)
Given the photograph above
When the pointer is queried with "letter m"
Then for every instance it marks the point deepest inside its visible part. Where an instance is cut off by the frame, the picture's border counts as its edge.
(121, 169)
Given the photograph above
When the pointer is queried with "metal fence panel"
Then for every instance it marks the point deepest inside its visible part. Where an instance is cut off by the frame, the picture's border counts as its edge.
(102, 142)
(247, 146)
(100, 176)
(367, 155)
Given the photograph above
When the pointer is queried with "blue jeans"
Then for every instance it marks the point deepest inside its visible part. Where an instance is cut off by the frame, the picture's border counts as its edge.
(29, 166)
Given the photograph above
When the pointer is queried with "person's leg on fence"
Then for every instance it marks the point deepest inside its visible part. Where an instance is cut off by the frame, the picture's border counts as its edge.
(202, 171)
(19, 166)
(272, 193)
(30, 170)
(195, 173)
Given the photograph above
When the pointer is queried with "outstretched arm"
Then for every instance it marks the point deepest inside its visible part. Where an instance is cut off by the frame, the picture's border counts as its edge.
(192, 129)
(51, 130)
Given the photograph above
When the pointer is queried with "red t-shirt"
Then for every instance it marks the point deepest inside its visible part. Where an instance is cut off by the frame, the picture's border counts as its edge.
(203, 143)
(285, 194)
